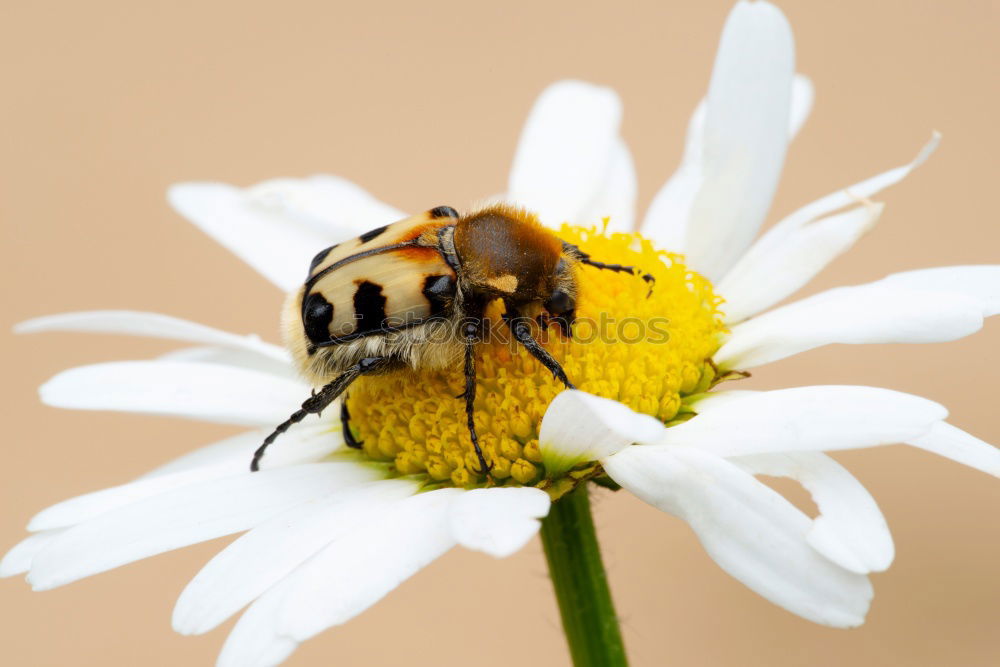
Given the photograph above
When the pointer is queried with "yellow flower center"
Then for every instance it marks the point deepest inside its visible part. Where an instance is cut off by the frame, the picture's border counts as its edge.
(646, 349)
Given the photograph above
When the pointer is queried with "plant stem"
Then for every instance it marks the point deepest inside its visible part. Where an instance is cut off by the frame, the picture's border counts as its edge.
(574, 557)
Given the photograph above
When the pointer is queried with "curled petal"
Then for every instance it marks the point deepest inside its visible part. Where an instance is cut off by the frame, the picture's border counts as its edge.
(850, 530)
(748, 529)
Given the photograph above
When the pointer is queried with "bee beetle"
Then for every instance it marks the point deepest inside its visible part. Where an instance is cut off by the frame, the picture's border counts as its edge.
(414, 293)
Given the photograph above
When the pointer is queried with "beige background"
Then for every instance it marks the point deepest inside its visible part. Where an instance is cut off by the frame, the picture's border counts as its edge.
(107, 103)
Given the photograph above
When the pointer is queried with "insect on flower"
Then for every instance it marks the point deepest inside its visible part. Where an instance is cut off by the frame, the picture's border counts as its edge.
(414, 294)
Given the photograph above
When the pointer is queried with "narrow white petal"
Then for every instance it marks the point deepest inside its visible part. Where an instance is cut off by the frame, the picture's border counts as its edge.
(498, 521)
(803, 95)
(745, 136)
(978, 282)
(334, 206)
(155, 325)
(666, 220)
(241, 358)
(278, 247)
(761, 279)
(580, 427)
(848, 196)
(566, 150)
(615, 200)
(268, 553)
(222, 459)
(806, 419)
(253, 641)
(668, 216)
(352, 574)
(751, 531)
(18, 560)
(306, 442)
(952, 442)
(209, 392)
(184, 516)
(872, 313)
(850, 530)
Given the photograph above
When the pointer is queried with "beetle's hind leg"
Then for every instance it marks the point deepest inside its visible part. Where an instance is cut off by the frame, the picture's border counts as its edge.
(319, 401)
(345, 426)
(471, 333)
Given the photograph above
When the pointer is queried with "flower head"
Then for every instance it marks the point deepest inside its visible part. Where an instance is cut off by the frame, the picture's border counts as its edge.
(329, 531)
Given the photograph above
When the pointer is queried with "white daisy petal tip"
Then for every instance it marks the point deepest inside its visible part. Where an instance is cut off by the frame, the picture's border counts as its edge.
(499, 521)
(567, 150)
(580, 427)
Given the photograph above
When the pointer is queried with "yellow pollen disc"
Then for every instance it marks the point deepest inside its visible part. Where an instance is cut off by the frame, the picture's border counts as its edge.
(645, 349)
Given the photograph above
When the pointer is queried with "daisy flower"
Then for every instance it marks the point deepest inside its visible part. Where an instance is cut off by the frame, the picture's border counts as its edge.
(328, 530)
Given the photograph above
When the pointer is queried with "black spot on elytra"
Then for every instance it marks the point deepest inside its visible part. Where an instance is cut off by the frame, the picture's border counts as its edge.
(369, 307)
(443, 212)
(317, 314)
(318, 259)
(439, 290)
(374, 233)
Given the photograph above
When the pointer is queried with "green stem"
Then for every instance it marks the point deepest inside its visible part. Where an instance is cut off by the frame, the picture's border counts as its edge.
(588, 614)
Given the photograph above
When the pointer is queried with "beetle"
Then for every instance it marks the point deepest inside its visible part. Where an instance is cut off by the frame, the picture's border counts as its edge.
(413, 294)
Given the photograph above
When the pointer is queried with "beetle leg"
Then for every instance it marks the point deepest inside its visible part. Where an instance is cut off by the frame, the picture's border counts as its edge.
(522, 333)
(318, 402)
(345, 426)
(471, 334)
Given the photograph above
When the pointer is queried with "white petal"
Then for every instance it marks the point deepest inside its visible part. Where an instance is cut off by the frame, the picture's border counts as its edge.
(615, 200)
(498, 521)
(350, 575)
(210, 392)
(264, 556)
(579, 427)
(803, 95)
(872, 313)
(155, 325)
(852, 194)
(18, 560)
(745, 138)
(230, 357)
(253, 641)
(305, 443)
(761, 279)
(330, 204)
(850, 530)
(278, 247)
(978, 282)
(806, 419)
(666, 220)
(954, 443)
(566, 150)
(751, 531)
(185, 516)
